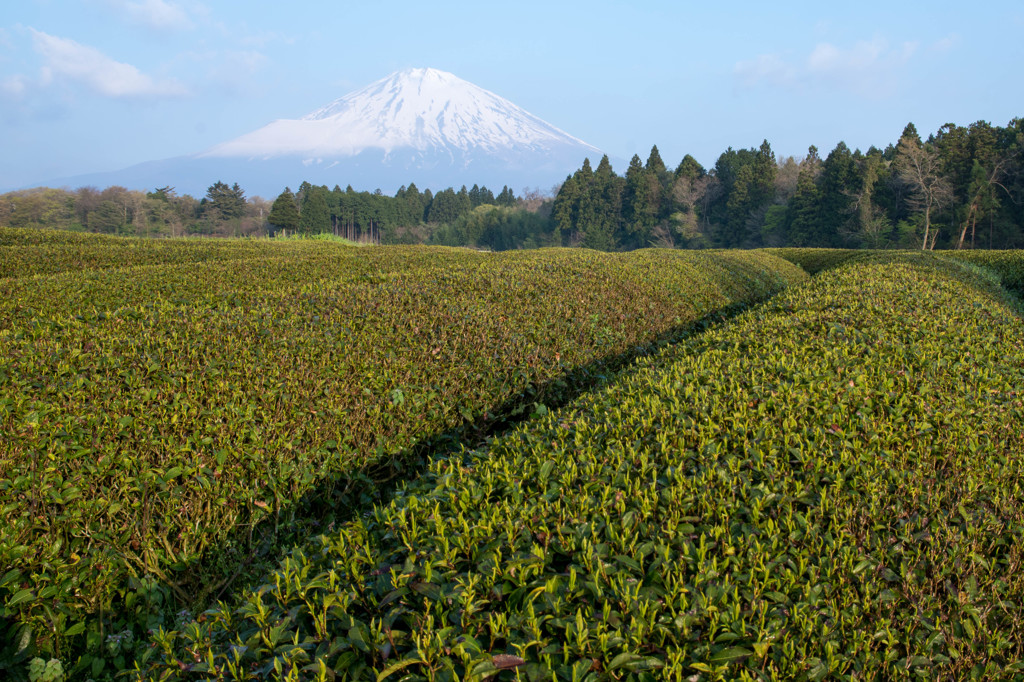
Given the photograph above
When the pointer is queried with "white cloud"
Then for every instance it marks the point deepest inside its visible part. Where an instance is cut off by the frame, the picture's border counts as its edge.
(867, 68)
(249, 61)
(236, 72)
(69, 60)
(769, 68)
(946, 44)
(14, 87)
(157, 14)
(261, 39)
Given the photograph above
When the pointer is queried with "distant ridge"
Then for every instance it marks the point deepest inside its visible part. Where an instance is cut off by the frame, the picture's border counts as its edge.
(418, 125)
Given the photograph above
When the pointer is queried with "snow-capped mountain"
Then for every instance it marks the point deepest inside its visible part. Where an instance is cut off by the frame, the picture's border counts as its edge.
(419, 125)
(425, 110)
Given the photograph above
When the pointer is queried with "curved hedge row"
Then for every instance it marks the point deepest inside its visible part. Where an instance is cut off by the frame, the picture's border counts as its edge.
(1009, 265)
(25, 252)
(158, 419)
(814, 260)
(830, 486)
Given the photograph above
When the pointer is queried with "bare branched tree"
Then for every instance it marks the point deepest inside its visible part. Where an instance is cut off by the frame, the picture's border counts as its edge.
(919, 168)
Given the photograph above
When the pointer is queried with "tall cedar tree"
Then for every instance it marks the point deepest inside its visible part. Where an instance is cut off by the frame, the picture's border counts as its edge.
(315, 216)
(284, 215)
(802, 224)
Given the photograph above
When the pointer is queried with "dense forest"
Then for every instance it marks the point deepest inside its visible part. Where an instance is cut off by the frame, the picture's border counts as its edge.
(962, 187)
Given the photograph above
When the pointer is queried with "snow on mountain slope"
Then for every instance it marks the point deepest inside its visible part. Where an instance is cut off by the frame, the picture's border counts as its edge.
(420, 125)
(426, 110)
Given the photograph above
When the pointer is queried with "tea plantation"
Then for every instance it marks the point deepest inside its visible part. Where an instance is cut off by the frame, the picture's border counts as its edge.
(175, 412)
(303, 461)
(828, 486)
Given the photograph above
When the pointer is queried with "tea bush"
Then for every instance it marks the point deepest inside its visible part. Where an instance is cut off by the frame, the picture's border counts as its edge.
(1009, 265)
(814, 260)
(173, 409)
(830, 486)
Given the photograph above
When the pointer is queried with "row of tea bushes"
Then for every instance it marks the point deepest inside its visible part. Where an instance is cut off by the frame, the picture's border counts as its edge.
(831, 486)
(25, 252)
(163, 423)
(1009, 265)
(17, 236)
(814, 260)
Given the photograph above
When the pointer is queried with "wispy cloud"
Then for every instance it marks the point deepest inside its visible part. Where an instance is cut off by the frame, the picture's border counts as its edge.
(946, 44)
(161, 15)
(867, 68)
(261, 39)
(236, 72)
(14, 87)
(766, 68)
(65, 59)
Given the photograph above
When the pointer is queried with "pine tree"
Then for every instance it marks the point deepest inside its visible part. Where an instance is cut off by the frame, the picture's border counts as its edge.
(690, 168)
(229, 202)
(802, 213)
(654, 162)
(910, 133)
(838, 181)
(564, 208)
(506, 197)
(639, 205)
(608, 196)
(284, 215)
(315, 216)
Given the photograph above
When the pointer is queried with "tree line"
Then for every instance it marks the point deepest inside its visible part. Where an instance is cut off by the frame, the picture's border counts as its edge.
(410, 216)
(963, 187)
(224, 211)
(474, 216)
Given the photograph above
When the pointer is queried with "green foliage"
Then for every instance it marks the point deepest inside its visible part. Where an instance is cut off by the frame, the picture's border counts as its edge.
(964, 178)
(314, 216)
(827, 487)
(284, 213)
(815, 260)
(1008, 266)
(172, 409)
(228, 202)
(497, 228)
(45, 671)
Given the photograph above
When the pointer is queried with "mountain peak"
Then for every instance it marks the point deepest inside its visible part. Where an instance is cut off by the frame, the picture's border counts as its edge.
(421, 109)
(423, 125)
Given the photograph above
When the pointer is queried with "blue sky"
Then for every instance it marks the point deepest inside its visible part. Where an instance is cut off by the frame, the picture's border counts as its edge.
(93, 85)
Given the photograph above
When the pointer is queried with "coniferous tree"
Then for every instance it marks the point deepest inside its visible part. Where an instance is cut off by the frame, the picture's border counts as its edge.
(802, 224)
(315, 216)
(639, 207)
(873, 225)
(228, 202)
(838, 181)
(607, 198)
(284, 215)
(654, 162)
(563, 210)
(506, 197)
(687, 196)
(659, 181)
